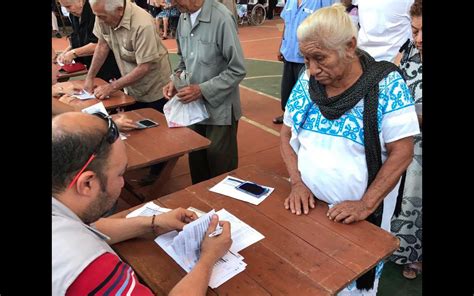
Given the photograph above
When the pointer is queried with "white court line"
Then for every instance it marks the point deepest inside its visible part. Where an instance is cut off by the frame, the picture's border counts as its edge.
(262, 39)
(262, 60)
(264, 76)
(260, 93)
(261, 126)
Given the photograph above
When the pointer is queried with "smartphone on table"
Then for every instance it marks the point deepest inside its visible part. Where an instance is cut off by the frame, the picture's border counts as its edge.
(252, 189)
(146, 123)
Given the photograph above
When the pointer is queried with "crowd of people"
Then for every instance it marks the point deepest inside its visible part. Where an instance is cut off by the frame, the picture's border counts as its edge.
(350, 130)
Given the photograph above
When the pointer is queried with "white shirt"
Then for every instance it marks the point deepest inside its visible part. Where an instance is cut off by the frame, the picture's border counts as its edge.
(384, 27)
(194, 16)
(331, 153)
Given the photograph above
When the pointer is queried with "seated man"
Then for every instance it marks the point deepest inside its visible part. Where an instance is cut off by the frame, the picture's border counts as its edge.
(88, 163)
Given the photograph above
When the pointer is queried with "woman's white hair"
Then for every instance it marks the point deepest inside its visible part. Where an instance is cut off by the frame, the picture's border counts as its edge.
(110, 5)
(331, 27)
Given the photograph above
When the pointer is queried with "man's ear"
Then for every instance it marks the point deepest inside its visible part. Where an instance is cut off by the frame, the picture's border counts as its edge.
(87, 183)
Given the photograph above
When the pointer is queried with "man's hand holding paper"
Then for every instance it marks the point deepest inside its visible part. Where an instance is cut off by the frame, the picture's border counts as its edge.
(174, 220)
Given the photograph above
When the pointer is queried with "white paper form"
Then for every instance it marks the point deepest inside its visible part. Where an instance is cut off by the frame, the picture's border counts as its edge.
(184, 248)
(99, 107)
(227, 187)
(242, 234)
(187, 244)
(84, 95)
(149, 209)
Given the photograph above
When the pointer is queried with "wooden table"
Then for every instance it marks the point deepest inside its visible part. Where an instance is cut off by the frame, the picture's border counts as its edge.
(159, 144)
(117, 98)
(64, 76)
(300, 255)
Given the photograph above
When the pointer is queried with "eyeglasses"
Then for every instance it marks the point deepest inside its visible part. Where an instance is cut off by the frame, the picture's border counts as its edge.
(110, 137)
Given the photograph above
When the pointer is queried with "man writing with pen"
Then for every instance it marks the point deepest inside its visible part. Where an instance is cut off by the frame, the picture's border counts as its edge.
(88, 163)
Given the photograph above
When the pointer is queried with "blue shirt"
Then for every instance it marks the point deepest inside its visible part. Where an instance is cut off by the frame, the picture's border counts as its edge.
(293, 17)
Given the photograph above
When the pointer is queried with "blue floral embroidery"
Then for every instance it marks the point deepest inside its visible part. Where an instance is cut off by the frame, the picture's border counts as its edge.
(393, 95)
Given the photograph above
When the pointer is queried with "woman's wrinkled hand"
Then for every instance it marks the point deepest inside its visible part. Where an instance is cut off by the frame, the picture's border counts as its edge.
(300, 197)
(349, 211)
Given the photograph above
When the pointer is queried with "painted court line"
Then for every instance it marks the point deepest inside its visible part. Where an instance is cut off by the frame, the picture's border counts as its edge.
(260, 93)
(262, 39)
(261, 126)
(264, 76)
(263, 60)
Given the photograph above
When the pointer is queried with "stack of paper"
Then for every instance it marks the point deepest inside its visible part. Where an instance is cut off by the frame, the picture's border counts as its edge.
(149, 209)
(185, 246)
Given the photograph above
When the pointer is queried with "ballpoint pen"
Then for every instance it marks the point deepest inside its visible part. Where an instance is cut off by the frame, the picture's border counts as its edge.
(216, 232)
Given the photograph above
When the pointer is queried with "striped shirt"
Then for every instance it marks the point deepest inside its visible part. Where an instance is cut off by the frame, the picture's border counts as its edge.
(107, 275)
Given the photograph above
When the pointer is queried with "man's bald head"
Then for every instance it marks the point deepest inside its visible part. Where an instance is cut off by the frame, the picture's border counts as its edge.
(75, 137)
(77, 122)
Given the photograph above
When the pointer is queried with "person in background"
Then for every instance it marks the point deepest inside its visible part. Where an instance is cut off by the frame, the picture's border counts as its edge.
(384, 27)
(407, 223)
(88, 163)
(352, 10)
(62, 97)
(209, 49)
(130, 32)
(271, 9)
(294, 13)
(167, 11)
(54, 20)
(348, 130)
(82, 41)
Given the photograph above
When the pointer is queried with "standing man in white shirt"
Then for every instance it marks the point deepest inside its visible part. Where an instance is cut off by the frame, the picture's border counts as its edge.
(384, 27)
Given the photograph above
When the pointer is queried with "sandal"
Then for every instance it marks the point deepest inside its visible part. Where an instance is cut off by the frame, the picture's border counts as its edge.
(410, 272)
(278, 120)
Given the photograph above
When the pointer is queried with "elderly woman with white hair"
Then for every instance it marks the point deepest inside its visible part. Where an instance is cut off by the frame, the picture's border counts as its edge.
(348, 130)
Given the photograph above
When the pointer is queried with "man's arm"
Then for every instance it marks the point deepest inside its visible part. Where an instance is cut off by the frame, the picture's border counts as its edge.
(103, 274)
(280, 56)
(181, 66)
(71, 54)
(120, 229)
(103, 91)
(100, 54)
(400, 154)
(300, 196)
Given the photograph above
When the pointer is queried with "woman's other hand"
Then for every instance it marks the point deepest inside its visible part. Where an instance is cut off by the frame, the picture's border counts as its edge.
(300, 197)
(349, 211)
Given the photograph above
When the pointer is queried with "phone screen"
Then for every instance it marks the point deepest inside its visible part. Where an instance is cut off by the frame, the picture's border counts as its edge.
(251, 188)
(147, 122)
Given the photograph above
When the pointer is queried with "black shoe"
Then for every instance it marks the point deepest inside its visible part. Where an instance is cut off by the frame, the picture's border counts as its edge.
(278, 120)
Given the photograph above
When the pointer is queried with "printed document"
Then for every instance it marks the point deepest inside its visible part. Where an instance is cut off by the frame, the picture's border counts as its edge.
(227, 187)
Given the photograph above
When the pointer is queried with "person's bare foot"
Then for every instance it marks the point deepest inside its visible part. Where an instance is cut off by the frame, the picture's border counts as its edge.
(411, 270)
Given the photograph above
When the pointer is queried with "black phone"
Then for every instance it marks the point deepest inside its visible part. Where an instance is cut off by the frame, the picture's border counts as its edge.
(252, 189)
(146, 123)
